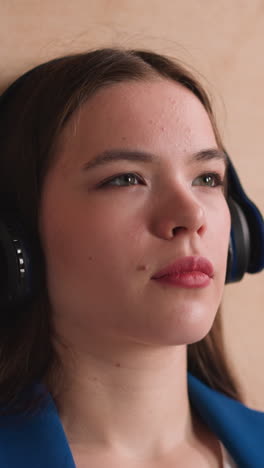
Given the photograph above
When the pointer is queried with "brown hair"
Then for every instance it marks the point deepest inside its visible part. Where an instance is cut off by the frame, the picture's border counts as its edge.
(32, 117)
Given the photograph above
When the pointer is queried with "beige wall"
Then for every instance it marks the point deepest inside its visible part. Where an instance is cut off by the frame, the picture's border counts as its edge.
(222, 38)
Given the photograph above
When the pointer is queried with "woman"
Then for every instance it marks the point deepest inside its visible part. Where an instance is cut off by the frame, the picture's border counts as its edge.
(114, 170)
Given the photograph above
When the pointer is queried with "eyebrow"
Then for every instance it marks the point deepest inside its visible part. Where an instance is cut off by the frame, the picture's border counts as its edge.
(112, 155)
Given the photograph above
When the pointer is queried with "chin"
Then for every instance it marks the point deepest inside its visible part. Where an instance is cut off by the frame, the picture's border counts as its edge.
(183, 327)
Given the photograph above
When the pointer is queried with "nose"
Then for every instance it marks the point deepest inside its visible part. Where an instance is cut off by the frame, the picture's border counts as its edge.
(178, 212)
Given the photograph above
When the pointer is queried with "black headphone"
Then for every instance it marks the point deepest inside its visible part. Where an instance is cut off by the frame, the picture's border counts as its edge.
(19, 252)
(246, 245)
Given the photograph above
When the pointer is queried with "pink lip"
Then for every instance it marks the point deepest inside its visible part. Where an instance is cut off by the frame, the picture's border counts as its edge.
(186, 266)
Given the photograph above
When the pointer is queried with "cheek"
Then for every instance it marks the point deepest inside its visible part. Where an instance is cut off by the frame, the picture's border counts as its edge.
(85, 242)
(224, 225)
(219, 236)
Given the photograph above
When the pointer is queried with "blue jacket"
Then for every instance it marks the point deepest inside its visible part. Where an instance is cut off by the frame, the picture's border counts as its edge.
(39, 441)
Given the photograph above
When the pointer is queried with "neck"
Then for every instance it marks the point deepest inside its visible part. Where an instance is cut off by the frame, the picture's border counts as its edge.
(134, 402)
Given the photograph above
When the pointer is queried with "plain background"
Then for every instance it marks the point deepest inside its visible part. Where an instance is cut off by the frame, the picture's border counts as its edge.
(223, 40)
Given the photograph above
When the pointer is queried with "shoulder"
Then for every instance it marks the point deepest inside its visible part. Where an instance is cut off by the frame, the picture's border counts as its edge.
(240, 428)
(34, 439)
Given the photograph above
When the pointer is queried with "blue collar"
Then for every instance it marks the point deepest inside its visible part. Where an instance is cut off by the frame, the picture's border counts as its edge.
(39, 441)
(240, 428)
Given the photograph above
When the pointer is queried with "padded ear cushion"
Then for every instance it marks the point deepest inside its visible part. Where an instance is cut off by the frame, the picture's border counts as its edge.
(16, 278)
(240, 244)
(251, 217)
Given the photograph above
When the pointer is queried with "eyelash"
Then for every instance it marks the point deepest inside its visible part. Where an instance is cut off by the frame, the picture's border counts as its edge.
(218, 179)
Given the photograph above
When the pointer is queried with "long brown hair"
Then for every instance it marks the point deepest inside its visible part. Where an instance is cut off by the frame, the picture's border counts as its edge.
(30, 121)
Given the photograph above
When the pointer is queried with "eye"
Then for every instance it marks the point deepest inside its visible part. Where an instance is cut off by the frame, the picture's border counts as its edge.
(123, 180)
(210, 179)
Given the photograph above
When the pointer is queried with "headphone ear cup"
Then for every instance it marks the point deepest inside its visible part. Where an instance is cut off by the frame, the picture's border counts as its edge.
(16, 279)
(239, 245)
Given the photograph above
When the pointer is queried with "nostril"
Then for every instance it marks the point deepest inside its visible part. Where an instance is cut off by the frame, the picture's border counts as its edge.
(201, 230)
(179, 228)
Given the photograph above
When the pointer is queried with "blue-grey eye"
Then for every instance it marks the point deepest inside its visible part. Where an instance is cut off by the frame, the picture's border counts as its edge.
(126, 180)
(210, 179)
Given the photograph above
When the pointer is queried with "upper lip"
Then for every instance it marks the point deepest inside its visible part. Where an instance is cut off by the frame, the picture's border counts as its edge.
(186, 264)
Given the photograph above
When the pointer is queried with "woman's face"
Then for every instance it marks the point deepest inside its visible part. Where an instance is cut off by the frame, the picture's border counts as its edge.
(105, 234)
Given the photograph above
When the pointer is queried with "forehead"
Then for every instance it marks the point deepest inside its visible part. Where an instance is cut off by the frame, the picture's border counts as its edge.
(145, 114)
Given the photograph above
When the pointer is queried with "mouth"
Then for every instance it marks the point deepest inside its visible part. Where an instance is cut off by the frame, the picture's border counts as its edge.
(194, 267)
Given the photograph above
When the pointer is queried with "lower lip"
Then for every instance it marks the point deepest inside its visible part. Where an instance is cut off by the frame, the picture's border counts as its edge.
(190, 279)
